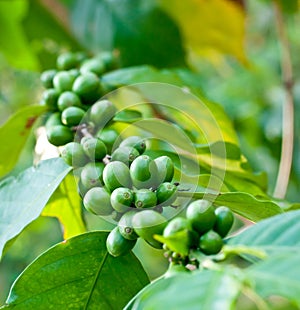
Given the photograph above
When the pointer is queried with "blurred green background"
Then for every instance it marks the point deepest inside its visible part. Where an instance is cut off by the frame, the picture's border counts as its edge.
(235, 57)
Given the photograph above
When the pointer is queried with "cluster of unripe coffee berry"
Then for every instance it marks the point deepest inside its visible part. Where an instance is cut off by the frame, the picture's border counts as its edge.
(204, 228)
(127, 185)
(71, 89)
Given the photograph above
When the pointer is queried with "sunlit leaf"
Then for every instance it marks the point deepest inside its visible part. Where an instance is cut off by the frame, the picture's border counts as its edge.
(178, 242)
(14, 134)
(66, 206)
(210, 28)
(85, 277)
(23, 198)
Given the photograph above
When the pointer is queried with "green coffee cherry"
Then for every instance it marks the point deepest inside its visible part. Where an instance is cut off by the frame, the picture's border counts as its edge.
(134, 141)
(179, 224)
(144, 173)
(74, 155)
(59, 135)
(116, 174)
(63, 81)
(224, 221)
(72, 116)
(210, 243)
(201, 215)
(108, 136)
(74, 73)
(66, 61)
(175, 225)
(125, 154)
(102, 112)
(165, 167)
(94, 148)
(50, 98)
(109, 59)
(97, 201)
(125, 226)
(91, 175)
(47, 78)
(121, 199)
(166, 194)
(68, 99)
(145, 198)
(148, 223)
(82, 190)
(93, 65)
(117, 245)
(53, 120)
(116, 216)
(87, 86)
(81, 56)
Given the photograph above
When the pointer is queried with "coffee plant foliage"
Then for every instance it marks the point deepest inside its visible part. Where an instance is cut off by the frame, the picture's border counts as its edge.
(142, 163)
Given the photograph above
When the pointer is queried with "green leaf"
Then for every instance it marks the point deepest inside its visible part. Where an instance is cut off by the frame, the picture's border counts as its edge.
(243, 204)
(79, 274)
(278, 275)
(128, 116)
(23, 198)
(65, 204)
(13, 42)
(247, 205)
(232, 151)
(176, 102)
(197, 290)
(141, 31)
(178, 242)
(288, 6)
(14, 134)
(275, 235)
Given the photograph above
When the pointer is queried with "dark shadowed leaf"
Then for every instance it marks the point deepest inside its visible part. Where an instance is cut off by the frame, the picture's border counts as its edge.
(78, 274)
(141, 31)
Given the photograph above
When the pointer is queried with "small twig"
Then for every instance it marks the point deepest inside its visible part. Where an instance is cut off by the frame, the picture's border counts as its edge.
(287, 108)
(86, 133)
(83, 129)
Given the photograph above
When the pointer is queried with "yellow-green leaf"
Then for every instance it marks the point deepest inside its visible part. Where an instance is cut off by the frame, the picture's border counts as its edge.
(210, 28)
(65, 205)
